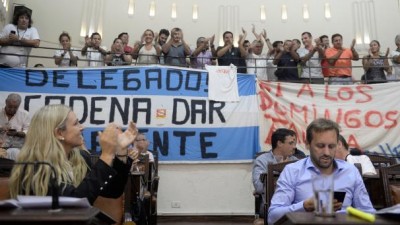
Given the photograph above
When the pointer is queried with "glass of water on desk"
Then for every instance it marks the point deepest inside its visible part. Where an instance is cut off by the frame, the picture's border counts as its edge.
(323, 195)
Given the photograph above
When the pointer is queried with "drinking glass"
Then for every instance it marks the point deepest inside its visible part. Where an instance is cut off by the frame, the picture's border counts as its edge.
(323, 195)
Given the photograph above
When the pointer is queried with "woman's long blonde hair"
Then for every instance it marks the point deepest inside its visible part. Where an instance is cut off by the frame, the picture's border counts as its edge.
(41, 144)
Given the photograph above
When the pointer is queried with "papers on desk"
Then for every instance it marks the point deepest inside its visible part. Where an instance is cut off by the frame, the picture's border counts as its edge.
(44, 202)
(392, 212)
(9, 203)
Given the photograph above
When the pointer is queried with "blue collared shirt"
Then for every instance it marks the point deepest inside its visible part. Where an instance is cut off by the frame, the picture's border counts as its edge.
(294, 186)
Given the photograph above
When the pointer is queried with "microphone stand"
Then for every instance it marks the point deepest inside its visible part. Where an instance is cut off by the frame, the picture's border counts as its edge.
(55, 204)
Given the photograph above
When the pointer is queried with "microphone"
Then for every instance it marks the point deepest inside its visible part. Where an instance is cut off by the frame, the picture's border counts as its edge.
(55, 204)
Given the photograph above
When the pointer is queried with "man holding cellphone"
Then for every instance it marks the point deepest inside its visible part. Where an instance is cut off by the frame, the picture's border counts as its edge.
(294, 192)
(14, 123)
(18, 39)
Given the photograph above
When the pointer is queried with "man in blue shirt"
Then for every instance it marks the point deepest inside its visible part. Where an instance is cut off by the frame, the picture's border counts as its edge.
(294, 190)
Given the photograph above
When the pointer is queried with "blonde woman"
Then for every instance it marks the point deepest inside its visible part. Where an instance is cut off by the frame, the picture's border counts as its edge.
(54, 136)
(146, 52)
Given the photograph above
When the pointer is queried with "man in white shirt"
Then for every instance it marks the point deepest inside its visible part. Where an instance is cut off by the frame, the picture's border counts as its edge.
(342, 152)
(17, 40)
(395, 60)
(14, 124)
(93, 50)
(310, 60)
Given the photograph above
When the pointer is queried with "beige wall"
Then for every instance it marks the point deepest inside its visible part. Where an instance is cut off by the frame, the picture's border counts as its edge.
(208, 188)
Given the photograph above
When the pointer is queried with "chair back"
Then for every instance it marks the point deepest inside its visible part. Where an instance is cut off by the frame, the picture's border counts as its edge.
(358, 166)
(4, 188)
(274, 170)
(6, 166)
(380, 161)
(111, 206)
(155, 155)
(390, 178)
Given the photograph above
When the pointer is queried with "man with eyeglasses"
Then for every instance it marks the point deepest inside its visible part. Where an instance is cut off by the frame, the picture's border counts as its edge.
(140, 147)
(14, 123)
(283, 143)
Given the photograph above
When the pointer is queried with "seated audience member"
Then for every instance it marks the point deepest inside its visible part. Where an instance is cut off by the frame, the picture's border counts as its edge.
(125, 41)
(18, 38)
(67, 56)
(55, 136)
(38, 65)
(14, 124)
(229, 54)
(140, 147)
(283, 143)
(395, 76)
(339, 58)
(342, 153)
(294, 192)
(202, 55)
(176, 49)
(147, 51)
(93, 51)
(374, 64)
(117, 56)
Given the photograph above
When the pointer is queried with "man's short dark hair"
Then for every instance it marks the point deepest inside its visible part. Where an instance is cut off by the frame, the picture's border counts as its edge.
(344, 142)
(21, 12)
(308, 34)
(276, 43)
(95, 33)
(297, 41)
(122, 34)
(227, 32)
(280, 135)
(321, 125)
(164, 31)
(322, 37)
(336, 35)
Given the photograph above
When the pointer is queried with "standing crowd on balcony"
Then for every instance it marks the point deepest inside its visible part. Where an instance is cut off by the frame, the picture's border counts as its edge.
(315, 62)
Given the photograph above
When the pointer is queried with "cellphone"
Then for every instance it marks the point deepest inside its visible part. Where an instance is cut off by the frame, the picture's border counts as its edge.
(12, 32)
(339, 195)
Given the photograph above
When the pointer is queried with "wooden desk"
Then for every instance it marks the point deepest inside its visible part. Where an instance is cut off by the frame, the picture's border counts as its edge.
(64, 217)
(374, 187)
(343, 219)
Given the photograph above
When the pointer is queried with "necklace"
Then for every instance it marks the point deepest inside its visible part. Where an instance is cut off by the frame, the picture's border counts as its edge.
(20, 37)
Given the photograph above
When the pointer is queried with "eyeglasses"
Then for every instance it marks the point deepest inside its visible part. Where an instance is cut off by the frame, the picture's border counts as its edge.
(141, 140)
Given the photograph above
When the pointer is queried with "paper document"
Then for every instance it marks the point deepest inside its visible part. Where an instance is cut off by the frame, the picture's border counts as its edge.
(391, 210)
(9, 203)
(45, 202)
